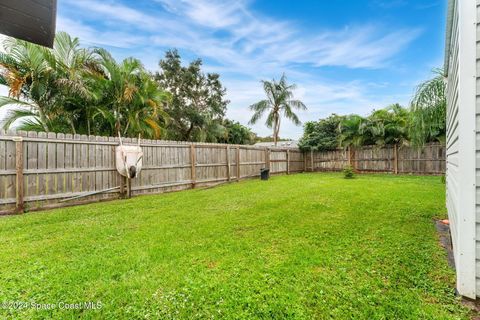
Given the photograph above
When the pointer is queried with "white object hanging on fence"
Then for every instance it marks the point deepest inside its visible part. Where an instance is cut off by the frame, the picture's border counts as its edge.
(128, 160)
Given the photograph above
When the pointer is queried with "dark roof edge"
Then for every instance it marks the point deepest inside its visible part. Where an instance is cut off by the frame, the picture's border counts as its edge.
(54, 23)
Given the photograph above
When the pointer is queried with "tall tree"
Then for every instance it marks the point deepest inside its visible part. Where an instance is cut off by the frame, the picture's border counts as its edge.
(321, 135)
(428, 111)
(198, 100)
(279, 103)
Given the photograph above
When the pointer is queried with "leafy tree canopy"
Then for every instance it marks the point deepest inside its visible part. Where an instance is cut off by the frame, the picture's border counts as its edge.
(198, 103)
(235, 133)
(321, 135)
(387, 126)
(423, 122)
(75, 90)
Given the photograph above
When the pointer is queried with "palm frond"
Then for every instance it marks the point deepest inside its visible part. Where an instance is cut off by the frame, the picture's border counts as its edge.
(297, 104)
(6, 101)
(271, 119)
(428, 110)
(290, 115)
(259, 109)
(32, 124)
(16, 114)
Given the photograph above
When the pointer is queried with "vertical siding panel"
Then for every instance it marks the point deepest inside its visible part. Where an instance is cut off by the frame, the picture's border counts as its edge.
(460, 171)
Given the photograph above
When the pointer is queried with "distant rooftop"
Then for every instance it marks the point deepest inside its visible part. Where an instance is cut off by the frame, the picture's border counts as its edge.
(283, 144)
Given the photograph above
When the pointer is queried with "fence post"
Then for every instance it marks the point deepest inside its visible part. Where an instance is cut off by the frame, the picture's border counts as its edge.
(311, 160)
(228, 162)
(267, 158)
(129, 188)
(238, 163)
(395, 158)
(304, 154)
(192, 165)
(351, 158)
(288, 161)
(19, 203)
(122, 185)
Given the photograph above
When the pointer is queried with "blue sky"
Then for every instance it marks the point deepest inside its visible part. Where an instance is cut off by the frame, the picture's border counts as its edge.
(345, 56)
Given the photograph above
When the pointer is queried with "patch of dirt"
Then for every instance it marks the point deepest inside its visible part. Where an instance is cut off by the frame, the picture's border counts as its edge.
(446, 241)
(443, 230)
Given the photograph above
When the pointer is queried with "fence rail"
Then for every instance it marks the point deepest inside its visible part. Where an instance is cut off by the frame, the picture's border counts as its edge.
(40, 170)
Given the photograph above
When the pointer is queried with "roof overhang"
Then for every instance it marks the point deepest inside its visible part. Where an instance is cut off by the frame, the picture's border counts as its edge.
(29, 20)
(448, 38)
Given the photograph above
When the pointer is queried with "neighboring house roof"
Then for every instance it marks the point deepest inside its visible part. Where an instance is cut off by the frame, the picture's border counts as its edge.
(282, 144)
(29, 20)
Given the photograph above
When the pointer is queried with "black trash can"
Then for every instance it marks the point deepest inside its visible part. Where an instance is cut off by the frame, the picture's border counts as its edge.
(264, 173)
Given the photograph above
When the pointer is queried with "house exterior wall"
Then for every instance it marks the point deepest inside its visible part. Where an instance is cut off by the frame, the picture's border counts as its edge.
(463, 79)
(477, 148)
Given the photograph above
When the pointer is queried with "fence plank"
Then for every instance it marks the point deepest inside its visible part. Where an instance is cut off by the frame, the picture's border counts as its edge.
(238, 163)
(227, 158)
(19, 206)
(287, 155)
(193, 160)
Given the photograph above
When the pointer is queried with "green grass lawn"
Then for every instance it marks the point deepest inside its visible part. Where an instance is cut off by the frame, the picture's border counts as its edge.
(301, 246)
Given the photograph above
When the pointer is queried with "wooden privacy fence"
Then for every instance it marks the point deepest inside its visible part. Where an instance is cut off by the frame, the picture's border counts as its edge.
(427, 160)
(40, 170)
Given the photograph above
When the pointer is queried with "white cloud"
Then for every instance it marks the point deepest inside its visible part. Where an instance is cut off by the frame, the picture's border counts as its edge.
(250, 42)
(94, 37)
(114, 11)
(265, 41)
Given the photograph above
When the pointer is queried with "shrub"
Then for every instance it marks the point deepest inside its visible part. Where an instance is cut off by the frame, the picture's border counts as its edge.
(348, 172)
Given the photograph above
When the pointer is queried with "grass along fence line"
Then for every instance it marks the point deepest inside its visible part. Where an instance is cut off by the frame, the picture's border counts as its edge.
(41, 170)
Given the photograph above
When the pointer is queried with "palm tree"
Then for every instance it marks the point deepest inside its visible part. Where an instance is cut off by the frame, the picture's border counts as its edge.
(146, 114)
(30, 80)
(428, 111)
(352, 131)
(74, 67)
(388, 126)
(279, 102)
(132, 102)
(48, 85)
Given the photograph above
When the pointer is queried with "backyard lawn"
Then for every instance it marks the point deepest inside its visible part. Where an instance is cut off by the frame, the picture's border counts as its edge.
(302, 246)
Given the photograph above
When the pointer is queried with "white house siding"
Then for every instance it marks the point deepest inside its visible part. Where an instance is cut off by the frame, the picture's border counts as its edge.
(477, 148)
(452, 130)
(462, 67)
